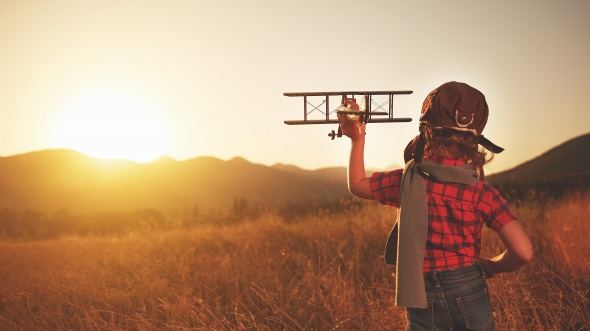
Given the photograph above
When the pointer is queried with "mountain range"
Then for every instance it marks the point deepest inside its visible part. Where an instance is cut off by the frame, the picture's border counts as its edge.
(568, 163)
(51, 180)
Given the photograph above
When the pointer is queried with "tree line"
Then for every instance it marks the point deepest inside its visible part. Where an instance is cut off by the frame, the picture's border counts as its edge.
(29, 224)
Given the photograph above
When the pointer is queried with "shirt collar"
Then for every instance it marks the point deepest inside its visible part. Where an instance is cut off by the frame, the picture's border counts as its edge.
(449, 161)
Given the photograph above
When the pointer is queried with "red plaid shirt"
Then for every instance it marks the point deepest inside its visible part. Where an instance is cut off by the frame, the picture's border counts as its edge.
(456, 213)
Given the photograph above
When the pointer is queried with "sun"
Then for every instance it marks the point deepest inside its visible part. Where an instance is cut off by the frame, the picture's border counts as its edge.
(111, 125)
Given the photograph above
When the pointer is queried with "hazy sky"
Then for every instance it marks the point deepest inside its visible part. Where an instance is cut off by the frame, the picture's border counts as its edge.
(213, 73)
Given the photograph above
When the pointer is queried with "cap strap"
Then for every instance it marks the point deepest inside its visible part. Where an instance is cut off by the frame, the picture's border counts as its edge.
(490, 146)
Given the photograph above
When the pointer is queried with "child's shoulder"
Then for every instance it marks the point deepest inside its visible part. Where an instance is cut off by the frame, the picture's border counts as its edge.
(491, 195)
(394, 175)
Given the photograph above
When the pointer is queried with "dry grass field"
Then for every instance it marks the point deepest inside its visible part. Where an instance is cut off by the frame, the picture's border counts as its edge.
(324, 271)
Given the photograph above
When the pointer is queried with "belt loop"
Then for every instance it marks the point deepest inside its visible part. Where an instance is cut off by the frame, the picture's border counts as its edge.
(435, 278)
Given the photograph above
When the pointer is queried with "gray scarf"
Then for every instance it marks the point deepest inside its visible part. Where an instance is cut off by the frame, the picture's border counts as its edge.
(407, 241)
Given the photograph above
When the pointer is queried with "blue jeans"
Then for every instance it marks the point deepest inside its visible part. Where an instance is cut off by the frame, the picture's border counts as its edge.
(458, 299)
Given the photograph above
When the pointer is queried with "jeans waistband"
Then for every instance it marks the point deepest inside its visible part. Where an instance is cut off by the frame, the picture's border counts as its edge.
(474, 270)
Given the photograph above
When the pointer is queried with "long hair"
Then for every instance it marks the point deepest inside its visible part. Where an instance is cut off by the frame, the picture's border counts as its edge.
(446, 141)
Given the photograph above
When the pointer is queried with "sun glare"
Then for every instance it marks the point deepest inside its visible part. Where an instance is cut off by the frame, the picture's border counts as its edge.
(111, 125)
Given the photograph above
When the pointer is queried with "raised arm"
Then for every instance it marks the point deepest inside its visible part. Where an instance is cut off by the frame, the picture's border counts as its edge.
(519, 251)
(358, 183)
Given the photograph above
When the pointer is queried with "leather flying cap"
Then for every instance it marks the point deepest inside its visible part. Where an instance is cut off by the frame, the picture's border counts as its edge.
(458, 106)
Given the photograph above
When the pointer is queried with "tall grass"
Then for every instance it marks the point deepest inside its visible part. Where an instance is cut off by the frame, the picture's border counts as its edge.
(553, 291)
(324, 271)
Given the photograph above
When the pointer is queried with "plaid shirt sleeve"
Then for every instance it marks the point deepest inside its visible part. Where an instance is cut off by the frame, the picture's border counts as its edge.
(495, 210)
(386, 187)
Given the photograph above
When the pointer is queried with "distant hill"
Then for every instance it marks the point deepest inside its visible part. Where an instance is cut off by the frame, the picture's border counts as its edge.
(63, 179)
(51, 180)
(564, 166)
(332, 175)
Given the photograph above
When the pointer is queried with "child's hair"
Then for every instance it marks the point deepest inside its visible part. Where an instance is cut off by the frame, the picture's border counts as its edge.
(459, 144)
(447, 141)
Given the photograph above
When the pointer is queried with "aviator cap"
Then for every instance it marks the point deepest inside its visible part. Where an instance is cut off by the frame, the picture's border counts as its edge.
(458, 106)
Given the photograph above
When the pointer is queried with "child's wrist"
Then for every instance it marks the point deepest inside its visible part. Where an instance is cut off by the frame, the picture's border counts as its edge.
(359, 137)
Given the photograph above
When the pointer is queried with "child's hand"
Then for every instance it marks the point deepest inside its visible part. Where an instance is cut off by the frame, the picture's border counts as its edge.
(487, 267)
(353, 130)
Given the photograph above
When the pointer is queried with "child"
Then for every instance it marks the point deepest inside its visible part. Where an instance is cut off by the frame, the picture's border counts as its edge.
(443, 203)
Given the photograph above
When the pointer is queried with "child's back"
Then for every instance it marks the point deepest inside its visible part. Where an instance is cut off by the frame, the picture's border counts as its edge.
(443, 205)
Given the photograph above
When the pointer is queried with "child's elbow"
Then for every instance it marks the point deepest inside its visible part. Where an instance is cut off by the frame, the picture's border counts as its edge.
(525, 254)
(360, 192)
(355, 192)
(517, 243)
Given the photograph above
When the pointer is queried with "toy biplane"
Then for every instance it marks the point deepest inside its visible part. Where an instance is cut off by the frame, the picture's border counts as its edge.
(382, 112)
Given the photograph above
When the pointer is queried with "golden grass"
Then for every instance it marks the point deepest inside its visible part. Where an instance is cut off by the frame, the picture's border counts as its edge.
(553, 291)
(322, 272)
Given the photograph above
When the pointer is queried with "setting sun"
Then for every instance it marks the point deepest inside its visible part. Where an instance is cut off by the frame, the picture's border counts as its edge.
(111, 125)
